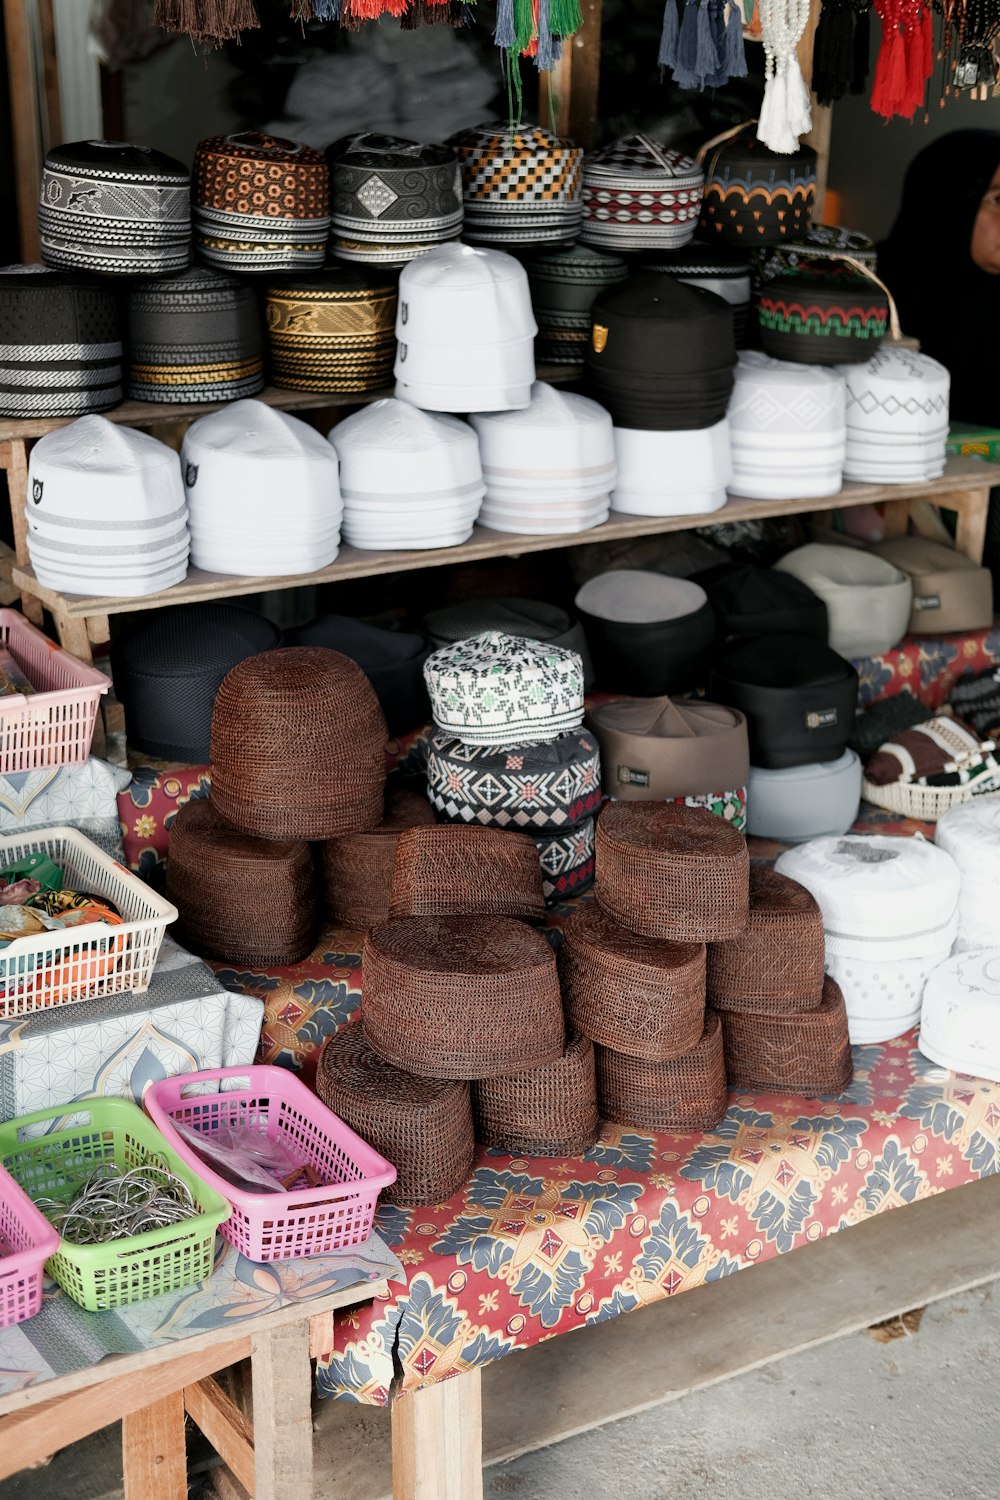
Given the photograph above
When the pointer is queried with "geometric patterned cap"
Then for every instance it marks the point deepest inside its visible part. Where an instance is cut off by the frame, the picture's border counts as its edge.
(497, 689)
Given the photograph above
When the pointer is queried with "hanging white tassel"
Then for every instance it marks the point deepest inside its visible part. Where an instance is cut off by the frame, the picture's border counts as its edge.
(785, 113)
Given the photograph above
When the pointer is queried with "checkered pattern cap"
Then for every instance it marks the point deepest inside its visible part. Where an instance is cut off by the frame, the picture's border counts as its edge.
(520, 187)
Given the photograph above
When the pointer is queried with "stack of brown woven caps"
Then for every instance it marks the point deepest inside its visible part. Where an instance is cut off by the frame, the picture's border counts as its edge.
(298, 746)
(509, 751)
(784, 1022)
(669, 878)
(298, 754)
(358, 867)
(240, 898)
(459, 1013)
(659, 750)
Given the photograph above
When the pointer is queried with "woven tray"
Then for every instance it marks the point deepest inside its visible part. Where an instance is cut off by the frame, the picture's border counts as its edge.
(640, 996)
(776, 966)
(670, 871)
(358, 868)
(298, 746)
(461, 997)
(456, 871)
(805, 1053)
(549, 1111)
(926, 802)
(422, 1125)
(686, 1093)
(246, 900)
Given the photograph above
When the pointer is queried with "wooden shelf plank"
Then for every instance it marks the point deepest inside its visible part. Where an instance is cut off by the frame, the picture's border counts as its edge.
(153, 413)
(962, 476)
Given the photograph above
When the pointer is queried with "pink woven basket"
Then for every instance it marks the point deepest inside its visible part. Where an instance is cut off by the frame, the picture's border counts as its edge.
(277, 1226)
(55, 725)
(27, 1239)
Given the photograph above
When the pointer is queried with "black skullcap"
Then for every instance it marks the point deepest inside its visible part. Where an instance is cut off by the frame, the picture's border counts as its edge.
(759, 601)
(661, 354)
(798, 695)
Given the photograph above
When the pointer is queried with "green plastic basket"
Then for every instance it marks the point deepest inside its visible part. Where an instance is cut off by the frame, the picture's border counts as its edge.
(50, 1152)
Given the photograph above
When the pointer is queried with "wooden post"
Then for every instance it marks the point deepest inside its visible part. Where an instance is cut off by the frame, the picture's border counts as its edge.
(437, 1441)
(973, 509)
(154, 1460)
(225, 1426)
(282, 1413)
(27, 32)
(569, 94)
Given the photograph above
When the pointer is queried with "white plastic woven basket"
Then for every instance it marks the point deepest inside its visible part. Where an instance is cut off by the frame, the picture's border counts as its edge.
(926, 802)
(92, 959)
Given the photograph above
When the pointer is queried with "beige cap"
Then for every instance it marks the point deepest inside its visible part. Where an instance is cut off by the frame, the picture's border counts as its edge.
(654, 749)
(950, 591)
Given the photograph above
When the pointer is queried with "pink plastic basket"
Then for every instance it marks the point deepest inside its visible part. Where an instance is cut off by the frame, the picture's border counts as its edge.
(27, 1239)
(277, 1226)
(54, 726)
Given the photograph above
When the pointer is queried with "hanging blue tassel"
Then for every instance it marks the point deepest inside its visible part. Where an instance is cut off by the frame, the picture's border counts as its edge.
(686, 71)
(503, 33)
(706, 57)
(326, 10)
(735, 48)
(717, 28)
(544, 58)
(668, 36)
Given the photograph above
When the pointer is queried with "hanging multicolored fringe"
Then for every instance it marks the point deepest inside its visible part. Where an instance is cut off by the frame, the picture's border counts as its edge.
(703, 46)
(970, 32)
(905, 58)
(840, 49)
(785, 113)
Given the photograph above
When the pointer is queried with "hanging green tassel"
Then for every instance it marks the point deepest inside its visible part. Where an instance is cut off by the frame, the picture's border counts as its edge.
(565, 17)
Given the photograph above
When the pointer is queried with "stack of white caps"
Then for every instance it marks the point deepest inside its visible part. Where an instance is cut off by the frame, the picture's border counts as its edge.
(409, 478)
(971, 835)
(897, 417)
(549, 467)
(672, 473)
(787, 427)
(960, 1018)
(890, 914)
(262, 491)
(465, 330)
(497, 689)
(106, 511)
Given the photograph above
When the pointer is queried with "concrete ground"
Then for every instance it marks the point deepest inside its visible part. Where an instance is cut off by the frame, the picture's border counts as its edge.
(862, 1418)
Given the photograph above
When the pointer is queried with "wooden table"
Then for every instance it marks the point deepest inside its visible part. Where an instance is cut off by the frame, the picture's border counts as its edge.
(150, 1392)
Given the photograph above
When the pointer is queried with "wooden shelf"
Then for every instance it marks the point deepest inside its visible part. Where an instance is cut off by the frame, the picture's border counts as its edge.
(155, 413)
(964, 478)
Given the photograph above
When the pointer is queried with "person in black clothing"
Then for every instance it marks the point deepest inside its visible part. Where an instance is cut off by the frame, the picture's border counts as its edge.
(942, 264)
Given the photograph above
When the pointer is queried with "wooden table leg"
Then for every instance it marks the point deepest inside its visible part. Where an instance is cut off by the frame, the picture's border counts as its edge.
(896, 517)
(282, 1414)
(972, 509)
(437, 1441)
(154, 1459)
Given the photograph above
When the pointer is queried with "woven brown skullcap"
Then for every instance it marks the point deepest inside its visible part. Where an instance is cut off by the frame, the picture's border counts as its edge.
(776, 965)
(298, 746)
(670, 871)
(638, 995)
(549, 1111)
(422, 1125)
(455, 871)
(686, 1093)
(461, 997)
(357, 868)
(806, 1052)
(242, 899)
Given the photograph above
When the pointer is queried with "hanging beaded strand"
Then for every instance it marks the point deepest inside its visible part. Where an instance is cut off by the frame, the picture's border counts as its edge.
(785, 114)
